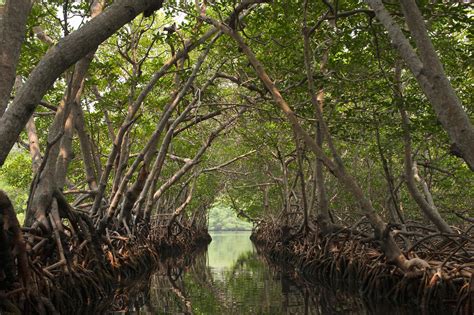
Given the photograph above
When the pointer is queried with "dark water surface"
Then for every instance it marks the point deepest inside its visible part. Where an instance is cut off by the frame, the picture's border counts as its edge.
(231, 278)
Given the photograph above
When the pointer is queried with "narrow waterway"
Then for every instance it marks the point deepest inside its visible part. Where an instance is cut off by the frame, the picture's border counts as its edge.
(231, 278)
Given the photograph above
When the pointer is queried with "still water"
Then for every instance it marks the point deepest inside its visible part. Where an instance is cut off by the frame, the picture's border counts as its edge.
(231, 278)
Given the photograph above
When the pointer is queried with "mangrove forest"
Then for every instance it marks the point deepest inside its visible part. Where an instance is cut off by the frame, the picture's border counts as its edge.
(236, 157)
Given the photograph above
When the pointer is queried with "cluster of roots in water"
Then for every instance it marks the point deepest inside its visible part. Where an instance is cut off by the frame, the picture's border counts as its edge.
(353, 257)
(73, 269)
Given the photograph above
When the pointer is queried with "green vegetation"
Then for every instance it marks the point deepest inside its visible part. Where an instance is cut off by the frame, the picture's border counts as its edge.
(352, 61)
(312, 115)
(224, 218)
(15, 178)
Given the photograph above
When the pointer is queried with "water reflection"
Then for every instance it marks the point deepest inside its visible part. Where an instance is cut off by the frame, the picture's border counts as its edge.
(231, 278)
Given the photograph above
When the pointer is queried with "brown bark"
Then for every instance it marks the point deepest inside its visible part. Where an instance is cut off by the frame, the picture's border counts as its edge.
(33, 141)
(12, 34)
(299, 158)
(60, 57)
(65, 151)
(44, 186)
(86, 150)
(157, 166)
(410, 172)
(42, 36)
(14, 246)
(60, 136)
(121, 161)
(410, 167)
(74, 99)
(131, 56)
(430, 75)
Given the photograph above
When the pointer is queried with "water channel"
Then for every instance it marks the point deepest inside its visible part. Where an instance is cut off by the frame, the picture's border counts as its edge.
(232, 278)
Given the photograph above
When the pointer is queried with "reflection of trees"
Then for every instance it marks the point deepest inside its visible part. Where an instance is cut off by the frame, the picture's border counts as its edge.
(302, 296)
(250, 286)
(177, 286)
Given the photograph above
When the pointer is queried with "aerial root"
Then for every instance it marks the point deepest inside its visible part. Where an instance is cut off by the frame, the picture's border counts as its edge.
(74, 268)
(429, 270)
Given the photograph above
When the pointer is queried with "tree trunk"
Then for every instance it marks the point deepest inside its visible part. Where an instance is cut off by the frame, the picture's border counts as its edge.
(317, 99)
(299, 158)
(33, 141)
(65, 151)
(86, 150)
(12, 34)
(430, 75)
(189, 46)
(410, 168)
(393, 201)
(410, 172)
(43, 188)
(60, 57)
(74, 99)
(12, 244)
(147, 153)
(190, 164)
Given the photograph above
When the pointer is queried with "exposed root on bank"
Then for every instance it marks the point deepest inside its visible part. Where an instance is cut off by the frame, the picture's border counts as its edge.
(439, 267)
(74, 267)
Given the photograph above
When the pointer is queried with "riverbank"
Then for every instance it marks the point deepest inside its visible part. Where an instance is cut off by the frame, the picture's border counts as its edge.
(358, 263)
(84, 284)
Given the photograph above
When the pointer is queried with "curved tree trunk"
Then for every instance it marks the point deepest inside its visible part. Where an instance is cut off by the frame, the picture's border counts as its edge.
(410, 167)
(147, 153)
(60, 138)
(76, 118)
(430, 75)
(60, 57)
(411, 173)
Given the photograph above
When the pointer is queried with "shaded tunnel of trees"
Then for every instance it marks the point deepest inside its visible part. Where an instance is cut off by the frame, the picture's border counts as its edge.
(341, 130)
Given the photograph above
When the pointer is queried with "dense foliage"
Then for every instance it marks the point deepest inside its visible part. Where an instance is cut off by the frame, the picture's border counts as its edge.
(353, 63)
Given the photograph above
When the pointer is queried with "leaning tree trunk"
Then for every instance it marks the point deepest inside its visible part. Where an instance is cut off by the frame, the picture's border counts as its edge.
(75, 115)
(428, 209)
(299, 159)
(53, 175)
(59, 58)
(147, 153)
(44, 182)
(429, 73)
